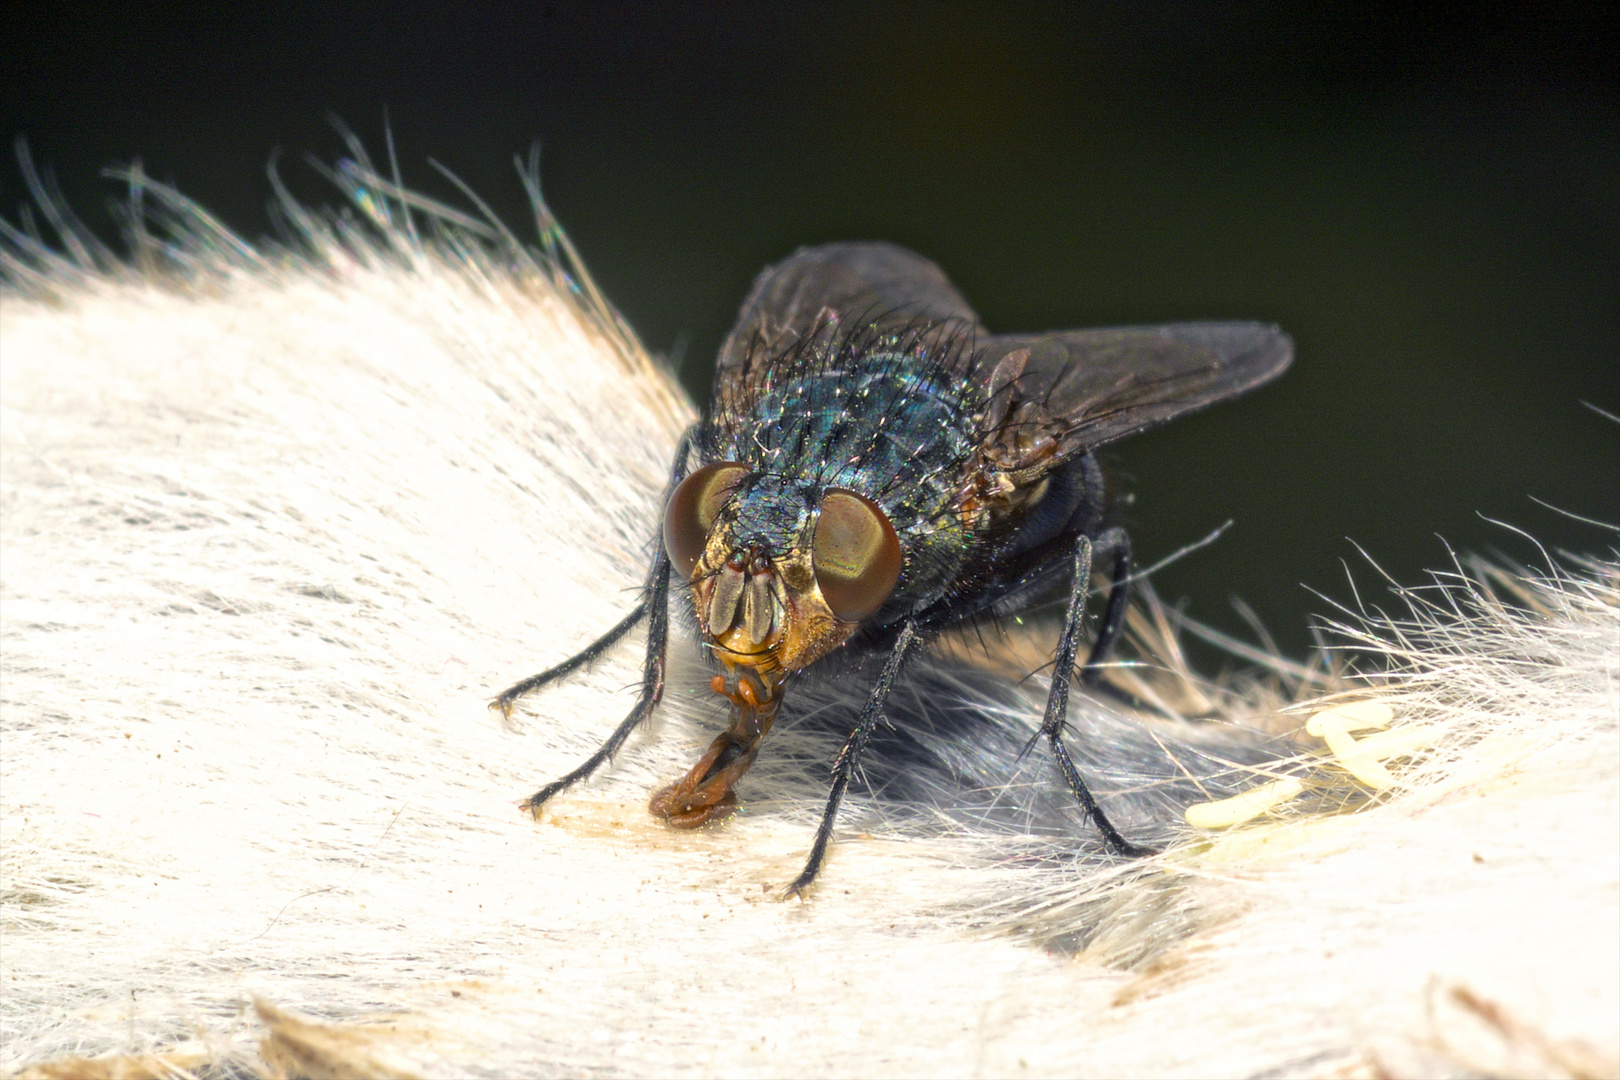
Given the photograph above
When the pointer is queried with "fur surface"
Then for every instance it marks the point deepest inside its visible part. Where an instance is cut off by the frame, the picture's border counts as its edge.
(277, 524)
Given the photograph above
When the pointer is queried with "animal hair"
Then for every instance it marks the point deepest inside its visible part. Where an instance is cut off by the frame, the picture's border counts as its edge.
(279, 520)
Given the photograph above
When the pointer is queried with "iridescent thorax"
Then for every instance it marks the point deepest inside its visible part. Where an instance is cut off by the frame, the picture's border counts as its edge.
(888, 427)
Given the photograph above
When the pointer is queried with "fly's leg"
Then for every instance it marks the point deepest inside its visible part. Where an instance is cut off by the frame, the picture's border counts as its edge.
(584, 658)
(849, 756)
(1118, 541)
(652, 688)
(1120, 591)
(1057, 703)
(656, 610)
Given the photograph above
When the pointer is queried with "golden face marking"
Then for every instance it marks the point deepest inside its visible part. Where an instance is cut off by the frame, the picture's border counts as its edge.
(731, 592)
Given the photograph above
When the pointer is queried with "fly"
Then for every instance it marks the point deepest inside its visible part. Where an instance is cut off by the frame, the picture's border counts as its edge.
(877, 468)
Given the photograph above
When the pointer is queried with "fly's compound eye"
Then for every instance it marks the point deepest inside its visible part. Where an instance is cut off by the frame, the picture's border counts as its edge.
(856, 555)
(692, 511)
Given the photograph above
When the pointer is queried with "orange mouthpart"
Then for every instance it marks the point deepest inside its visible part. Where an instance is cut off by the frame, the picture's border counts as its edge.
(705, 793)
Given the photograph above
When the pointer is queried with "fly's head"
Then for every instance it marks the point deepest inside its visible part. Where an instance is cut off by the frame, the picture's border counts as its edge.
(780, 575)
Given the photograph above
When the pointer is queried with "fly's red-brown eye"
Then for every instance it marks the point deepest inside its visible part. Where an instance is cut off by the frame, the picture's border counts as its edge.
(693, 508)
(856, 555)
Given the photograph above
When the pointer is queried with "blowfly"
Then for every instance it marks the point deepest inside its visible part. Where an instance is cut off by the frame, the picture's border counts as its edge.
(876, 468)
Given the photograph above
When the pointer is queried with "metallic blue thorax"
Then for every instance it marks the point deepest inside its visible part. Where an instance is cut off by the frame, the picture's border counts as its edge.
(887, 426)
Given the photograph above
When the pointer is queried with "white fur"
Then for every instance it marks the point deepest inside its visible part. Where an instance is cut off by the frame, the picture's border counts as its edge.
(278, 525)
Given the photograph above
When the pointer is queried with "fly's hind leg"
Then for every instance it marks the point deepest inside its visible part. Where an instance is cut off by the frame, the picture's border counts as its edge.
(1121, 589)
(1057, 702)
(1118, 542)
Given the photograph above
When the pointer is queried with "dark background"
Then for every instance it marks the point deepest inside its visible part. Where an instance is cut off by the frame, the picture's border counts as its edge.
(1428, 201)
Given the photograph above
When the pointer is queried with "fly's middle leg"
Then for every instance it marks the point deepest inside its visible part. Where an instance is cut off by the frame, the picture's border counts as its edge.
(849, 756)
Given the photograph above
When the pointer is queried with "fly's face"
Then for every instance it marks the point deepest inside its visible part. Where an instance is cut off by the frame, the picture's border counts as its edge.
(781, 574)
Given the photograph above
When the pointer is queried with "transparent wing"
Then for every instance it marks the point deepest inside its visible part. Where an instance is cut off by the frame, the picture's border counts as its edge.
(1051, 396)
(829, 289)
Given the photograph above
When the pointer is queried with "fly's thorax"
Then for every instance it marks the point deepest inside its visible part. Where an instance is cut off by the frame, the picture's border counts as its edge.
(771, 513)
(891, 428)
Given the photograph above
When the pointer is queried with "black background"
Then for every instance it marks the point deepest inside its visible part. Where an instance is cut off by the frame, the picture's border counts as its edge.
(1428, 201)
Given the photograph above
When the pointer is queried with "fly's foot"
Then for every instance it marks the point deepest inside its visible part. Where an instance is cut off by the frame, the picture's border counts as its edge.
(796, 890)
(534, 802)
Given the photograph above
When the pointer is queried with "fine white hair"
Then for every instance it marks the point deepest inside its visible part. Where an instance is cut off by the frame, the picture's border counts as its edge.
(279, 522)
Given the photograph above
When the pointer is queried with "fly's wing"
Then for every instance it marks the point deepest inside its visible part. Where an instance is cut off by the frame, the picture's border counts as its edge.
(836, 289)
(1052, 396)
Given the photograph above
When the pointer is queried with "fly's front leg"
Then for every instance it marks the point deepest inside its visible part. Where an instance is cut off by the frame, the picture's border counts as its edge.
(652, 687)
(656, 610)
(849, 756)
(1057, 702)
(583, 658)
